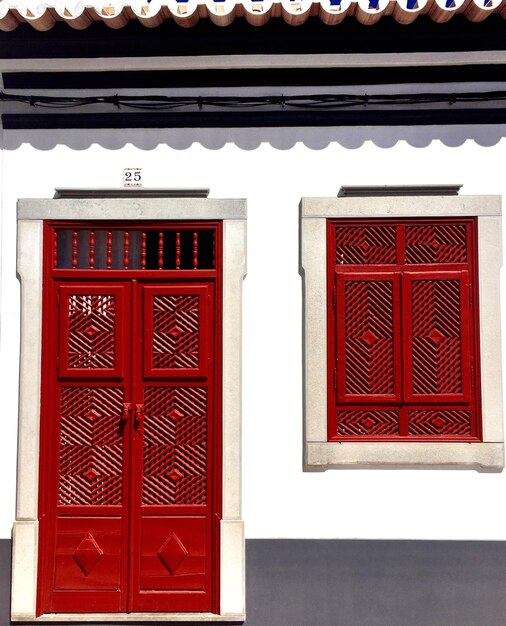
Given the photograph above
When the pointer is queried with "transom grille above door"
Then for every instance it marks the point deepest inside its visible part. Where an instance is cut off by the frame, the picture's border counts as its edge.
(116, 248)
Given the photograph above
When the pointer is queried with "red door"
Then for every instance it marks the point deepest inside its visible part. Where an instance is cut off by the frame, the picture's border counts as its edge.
(129, 446)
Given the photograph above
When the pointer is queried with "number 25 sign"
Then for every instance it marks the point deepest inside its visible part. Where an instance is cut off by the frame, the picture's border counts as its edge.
(132, 177)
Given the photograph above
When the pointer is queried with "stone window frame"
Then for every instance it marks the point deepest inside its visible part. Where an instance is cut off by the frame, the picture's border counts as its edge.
(121, 207)
(319, 453)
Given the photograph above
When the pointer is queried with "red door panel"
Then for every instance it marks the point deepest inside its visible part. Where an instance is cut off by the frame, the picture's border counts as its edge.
(85, 532)
(91, 459)
(92, 320)
(172, 519)
(174, 554)
(174, 446)
(176, 330)
(85, 559)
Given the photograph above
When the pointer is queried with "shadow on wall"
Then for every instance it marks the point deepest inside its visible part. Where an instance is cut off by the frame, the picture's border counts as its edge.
(251, 138)
(362, 583)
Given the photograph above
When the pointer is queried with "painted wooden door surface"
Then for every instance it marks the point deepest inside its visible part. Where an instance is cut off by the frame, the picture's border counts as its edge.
(126, 495)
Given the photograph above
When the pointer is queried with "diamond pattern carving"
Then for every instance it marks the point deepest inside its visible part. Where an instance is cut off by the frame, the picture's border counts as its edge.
(442, 243)
(436, 337)
(175, 331)
(436, 353)
(364, 422)
(369, 337)
(175, 446)
(175, 475)
(172, 553)
(91, 474)
(91, 450)
(411, 380)
(91, 320)
(365, 244)
(87, 554)
(91, 332)
(439, 422)
(92, 415)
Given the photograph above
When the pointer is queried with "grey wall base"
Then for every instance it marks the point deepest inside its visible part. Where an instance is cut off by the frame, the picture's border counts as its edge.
(362, 583)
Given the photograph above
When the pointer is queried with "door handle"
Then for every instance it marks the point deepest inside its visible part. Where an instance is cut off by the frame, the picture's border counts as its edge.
(139, 414)
(127, 410)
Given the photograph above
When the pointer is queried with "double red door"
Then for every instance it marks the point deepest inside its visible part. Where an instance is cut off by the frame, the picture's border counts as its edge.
(129, 483)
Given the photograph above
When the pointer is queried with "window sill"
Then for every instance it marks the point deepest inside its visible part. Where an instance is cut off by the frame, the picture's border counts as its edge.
(483, 457)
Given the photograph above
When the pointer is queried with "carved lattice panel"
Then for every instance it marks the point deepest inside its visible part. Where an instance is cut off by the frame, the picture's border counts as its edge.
(443, 243)
(365, 245)
(175, 331)
(91, 331)
(367, 336)
(373, 422)
(439, 422)
(436, 337)
(91, 446)
(402, 340)
(175, 446)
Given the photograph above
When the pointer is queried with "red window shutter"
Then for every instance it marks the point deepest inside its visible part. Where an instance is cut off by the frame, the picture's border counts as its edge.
(402, 331)
(368, 337)
(437, 360)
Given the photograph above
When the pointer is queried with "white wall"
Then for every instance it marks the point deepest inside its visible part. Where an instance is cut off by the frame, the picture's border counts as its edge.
(273, 169)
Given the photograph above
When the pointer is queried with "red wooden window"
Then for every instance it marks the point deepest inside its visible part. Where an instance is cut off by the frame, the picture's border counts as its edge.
(130, 430)
(403, 330)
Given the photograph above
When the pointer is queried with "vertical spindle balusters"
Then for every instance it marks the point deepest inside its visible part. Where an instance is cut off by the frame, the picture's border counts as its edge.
(138, 248)
(195, 251)
(160, 251)
(143, 251)
(109, 249)
(55, 249)
(92, 249)
(74, 249)
(178, 251)
(126, 251)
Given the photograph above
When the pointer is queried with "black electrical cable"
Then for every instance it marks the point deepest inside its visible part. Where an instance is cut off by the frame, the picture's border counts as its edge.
(315, 101)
